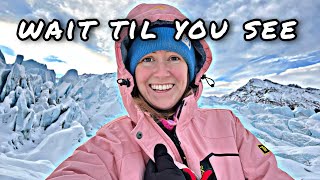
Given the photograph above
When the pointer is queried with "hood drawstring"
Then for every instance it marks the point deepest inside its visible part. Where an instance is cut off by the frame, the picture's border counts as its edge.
(207, 79)
(123, 82)
(127, 82)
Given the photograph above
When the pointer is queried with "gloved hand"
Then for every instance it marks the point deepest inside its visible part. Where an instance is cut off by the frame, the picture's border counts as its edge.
(208, 175)
(163, 168)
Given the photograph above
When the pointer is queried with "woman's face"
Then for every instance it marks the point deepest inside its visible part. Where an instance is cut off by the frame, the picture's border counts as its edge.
(162, 78)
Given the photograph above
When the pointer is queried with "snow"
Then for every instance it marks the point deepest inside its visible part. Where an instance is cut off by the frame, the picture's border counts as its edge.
(43, 121)
(53, 144)
(316, 116)
(38, 115)
(13, 168)
(284, 110)
(70, 77)
(299, 111)
(300, 171)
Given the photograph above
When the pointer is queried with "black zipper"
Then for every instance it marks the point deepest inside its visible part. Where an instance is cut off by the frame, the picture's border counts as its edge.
(178, 145)
(173, 136)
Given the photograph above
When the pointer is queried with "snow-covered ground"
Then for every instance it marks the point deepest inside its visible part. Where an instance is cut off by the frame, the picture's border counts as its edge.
(42, 121)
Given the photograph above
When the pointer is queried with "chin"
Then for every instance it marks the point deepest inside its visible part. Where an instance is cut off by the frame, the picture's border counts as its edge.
(164, 107)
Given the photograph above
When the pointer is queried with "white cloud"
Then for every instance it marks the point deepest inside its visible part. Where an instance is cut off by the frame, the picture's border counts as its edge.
(222, 88)
(76, 55)
(303, 76)
(232, 51)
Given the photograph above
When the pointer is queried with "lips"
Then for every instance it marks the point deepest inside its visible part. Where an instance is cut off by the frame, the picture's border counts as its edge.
(161, 87)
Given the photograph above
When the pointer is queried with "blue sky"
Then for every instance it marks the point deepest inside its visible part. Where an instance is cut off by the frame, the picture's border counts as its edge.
(235, 60)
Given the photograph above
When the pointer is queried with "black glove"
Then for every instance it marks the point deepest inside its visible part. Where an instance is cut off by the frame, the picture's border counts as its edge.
(163, 168)
(209, 175)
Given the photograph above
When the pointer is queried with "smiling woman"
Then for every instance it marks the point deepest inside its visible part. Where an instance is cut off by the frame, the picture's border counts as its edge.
(163, 70)
(162, 78)
(166, 135)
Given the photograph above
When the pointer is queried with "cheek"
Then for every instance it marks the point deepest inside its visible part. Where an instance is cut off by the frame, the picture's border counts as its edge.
(181, 74)
(141, 77)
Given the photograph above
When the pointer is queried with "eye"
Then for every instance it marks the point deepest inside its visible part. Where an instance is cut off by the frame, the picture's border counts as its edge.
(175, 58)
(147, 59)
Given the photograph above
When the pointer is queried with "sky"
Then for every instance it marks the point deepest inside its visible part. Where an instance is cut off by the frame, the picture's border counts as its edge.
(235, 60)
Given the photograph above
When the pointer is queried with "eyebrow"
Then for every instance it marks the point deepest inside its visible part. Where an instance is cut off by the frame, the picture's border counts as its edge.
(161, 50)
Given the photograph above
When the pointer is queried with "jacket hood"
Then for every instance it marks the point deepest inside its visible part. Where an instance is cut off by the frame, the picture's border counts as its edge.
(156, 14)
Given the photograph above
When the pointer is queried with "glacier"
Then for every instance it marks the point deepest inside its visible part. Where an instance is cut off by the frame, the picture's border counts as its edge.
(44, 119)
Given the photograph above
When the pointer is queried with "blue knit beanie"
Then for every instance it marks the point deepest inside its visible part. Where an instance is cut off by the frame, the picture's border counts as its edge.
(165, 41)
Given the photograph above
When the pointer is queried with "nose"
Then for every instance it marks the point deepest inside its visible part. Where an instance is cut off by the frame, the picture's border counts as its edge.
(162, 70)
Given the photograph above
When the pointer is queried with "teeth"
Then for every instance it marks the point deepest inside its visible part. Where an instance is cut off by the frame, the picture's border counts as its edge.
(161, 87)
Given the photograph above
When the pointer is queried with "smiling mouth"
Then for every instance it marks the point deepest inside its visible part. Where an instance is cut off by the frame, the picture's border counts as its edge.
(161, 87)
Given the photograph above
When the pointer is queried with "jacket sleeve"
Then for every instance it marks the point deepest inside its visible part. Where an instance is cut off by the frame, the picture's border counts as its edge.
(89, 161)
(257, 161)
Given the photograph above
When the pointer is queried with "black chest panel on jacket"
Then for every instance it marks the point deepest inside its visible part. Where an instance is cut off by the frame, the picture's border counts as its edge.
(173, 136)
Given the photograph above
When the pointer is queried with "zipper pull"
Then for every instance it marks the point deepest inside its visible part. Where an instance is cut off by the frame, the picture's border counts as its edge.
(207, 79)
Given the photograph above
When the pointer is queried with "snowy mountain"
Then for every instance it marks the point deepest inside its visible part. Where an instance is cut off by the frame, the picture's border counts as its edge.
(42, 119)
(268, 92)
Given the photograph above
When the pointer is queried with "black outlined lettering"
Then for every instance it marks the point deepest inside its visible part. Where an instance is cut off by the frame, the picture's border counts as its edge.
(249, 26)
(70, 30)
(144, 35)
(30, 30)
(220, 33)
(132, 29)
(180, 28)
(53, 30)
(288, 31)
(198, 24)
(117, 25)
(269, 31)
(85, 26)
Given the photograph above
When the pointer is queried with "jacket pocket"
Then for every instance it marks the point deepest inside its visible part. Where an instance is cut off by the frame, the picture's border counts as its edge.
(225, 166)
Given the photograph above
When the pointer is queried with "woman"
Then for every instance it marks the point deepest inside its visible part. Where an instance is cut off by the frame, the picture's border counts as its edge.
(166, 135)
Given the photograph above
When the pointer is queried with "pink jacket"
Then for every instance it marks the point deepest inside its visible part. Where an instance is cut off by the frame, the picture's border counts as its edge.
(121, 149)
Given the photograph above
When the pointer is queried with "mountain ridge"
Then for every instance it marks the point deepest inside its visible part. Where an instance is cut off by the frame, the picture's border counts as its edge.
(269, 92)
